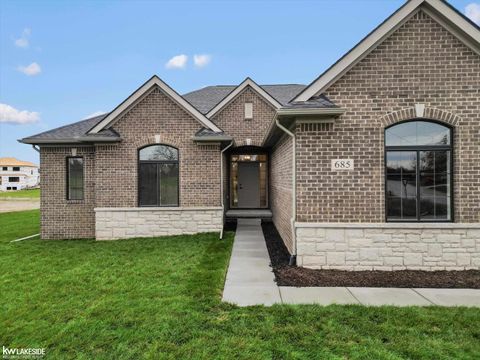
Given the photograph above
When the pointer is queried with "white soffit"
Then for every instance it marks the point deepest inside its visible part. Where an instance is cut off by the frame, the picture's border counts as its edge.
(144, 90)
(247, 82)
(441, 12)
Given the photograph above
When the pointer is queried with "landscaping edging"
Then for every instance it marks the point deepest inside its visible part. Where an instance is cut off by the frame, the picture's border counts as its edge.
(286, 275)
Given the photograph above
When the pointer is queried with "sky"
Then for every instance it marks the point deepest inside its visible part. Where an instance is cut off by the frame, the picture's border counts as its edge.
(62, 61)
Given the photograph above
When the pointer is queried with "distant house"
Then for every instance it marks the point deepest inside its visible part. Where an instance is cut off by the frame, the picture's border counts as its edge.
(17, 175)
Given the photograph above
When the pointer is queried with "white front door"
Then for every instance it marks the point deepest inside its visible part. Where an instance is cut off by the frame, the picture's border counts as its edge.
(248, 185)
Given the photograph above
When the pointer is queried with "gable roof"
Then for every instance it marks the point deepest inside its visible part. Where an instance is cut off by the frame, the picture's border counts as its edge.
(144, 90)
(78, 132)
(206, 98)
(455, 22)
(233, 94)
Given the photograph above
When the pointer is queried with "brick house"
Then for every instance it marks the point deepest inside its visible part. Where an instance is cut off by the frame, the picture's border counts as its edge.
(374, 165)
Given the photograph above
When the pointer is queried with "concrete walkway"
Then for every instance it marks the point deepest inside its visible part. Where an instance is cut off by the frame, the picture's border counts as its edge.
(250, 281)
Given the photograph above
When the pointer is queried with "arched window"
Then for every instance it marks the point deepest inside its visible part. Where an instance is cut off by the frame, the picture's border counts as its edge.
(158, 176)
(418, 172)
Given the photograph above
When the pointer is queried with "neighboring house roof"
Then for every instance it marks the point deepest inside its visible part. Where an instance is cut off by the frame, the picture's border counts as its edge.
(455, 22)
(143, 90)
(73, 133)
(11, 161)
(206, 98)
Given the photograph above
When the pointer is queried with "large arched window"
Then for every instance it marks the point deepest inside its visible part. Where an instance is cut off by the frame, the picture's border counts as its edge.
(158, 176)
(418, 171)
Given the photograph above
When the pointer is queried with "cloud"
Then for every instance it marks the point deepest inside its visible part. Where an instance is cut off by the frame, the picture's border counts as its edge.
(177, 62)
(96, 113)
(30, 70)
(201, 60)
(473, 12)
(10, 115)
(23, 41)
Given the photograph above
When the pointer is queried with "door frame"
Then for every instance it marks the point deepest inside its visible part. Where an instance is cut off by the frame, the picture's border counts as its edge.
(247, 150)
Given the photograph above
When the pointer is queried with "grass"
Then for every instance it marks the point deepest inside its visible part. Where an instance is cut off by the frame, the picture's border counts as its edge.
(160, 299)
(30, 193)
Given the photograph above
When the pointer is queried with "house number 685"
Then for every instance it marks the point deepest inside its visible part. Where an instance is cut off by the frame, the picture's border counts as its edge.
(342, 164)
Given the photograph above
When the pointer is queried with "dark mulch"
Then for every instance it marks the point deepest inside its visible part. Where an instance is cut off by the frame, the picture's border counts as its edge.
(286, 275)
(230, 225)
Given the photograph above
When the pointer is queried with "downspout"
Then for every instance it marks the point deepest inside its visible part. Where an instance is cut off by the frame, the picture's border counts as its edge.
(293, 257)
(34, 148)
(221, 186)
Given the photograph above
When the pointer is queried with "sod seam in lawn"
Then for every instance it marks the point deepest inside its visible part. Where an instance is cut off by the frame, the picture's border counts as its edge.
(160, 298)
(28, 193)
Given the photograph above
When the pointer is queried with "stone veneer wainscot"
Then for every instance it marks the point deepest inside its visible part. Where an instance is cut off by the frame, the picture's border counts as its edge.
(122, 223)
(388, 246)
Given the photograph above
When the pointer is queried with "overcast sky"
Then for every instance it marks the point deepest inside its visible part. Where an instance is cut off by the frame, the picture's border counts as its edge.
(62, 61)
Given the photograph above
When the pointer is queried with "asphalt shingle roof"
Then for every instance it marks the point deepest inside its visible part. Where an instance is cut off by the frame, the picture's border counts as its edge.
(206, 98)
(71, 131)
(320, 101)
(203, 99)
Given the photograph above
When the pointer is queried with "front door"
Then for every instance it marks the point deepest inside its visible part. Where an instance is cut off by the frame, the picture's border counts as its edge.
(248, 185)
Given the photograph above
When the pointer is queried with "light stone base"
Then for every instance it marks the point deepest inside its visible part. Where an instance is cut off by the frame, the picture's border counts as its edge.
(388, 246)
(124, 223)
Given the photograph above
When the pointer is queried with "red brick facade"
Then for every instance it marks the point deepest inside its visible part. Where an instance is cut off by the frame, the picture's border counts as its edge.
(231, 118)
(281, 197)
(62, 218)
(420, 63)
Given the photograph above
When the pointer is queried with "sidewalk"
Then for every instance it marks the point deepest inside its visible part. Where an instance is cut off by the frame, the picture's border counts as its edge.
(250, 281)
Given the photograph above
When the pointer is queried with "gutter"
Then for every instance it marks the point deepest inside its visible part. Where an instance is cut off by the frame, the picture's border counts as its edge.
(221, 186)
(293, 257)
(212, 138)
(77, 140)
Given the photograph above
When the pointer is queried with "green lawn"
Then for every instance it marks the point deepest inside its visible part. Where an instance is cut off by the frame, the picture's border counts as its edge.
(160, 299)
(33, 194)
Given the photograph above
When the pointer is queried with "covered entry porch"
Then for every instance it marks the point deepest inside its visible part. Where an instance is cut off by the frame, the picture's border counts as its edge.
(247, 193)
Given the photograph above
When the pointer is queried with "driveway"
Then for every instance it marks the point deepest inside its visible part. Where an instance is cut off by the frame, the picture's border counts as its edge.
(19, 205)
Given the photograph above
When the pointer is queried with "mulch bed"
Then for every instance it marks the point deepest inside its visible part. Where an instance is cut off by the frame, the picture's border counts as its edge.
(230, 225)
(287, 275)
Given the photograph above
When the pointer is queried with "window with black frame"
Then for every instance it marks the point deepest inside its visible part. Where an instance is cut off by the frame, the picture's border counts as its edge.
(75, 178)
(418, 172)
(158, 176)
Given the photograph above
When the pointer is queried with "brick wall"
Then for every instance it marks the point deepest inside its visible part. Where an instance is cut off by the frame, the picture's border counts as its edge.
(62, 218)
(281, 189)
(420, 63)
(111, 170)
(231, 118)
(156, 114)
